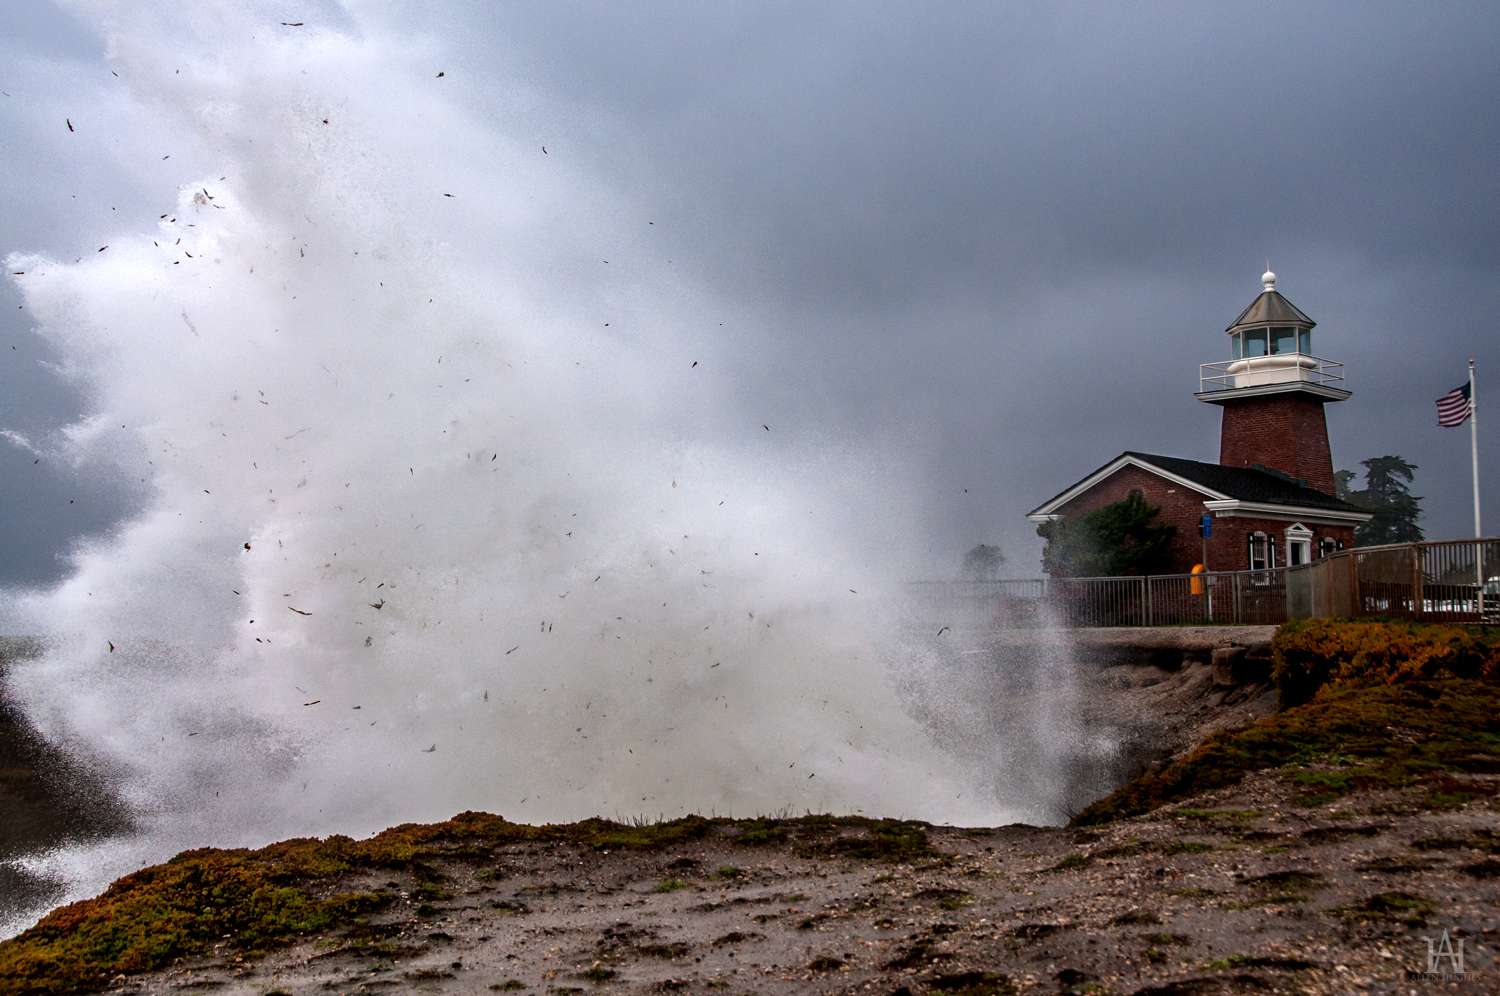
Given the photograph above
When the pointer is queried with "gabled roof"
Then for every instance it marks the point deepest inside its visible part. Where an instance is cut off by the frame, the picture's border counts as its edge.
(1222, 487)
(1271, 309)
(1248, 484)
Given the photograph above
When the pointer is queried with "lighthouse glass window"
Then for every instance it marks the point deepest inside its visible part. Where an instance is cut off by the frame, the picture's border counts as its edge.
(1251, 342)
(1273, 341)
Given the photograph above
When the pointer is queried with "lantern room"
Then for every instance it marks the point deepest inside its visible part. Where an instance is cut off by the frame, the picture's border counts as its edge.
(1270, 350)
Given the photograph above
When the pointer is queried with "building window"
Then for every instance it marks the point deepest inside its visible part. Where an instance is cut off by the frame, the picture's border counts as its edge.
(1259, 549)
(1327, 545)
(1273, 341)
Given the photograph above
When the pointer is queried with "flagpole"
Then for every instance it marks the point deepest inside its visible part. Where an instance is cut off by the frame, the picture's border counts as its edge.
(1474, 445)
(1474, 460)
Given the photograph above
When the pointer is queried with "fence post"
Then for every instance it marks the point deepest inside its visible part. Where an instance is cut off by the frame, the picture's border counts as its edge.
(1416, 582)
(1356, 599)
(1146, 597)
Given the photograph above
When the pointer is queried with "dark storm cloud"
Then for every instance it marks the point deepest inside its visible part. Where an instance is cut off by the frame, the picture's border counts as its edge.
(1005, 237)
(878, 153)
(1022, 228)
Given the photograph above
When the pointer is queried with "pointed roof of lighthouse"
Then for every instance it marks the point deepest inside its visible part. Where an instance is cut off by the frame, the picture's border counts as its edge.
(1270, 309)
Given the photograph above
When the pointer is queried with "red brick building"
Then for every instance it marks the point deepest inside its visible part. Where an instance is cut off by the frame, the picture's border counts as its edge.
(1270, 498)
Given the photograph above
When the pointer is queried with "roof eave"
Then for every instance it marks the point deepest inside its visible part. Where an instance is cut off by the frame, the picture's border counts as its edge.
(1043, 512)
(1235, 508)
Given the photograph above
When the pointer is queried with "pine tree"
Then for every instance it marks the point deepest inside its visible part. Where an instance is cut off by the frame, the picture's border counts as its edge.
(1396, 508)
(1117, 540)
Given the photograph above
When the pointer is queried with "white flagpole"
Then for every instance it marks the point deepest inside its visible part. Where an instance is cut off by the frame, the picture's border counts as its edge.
(1474, 459)
(1474, 444)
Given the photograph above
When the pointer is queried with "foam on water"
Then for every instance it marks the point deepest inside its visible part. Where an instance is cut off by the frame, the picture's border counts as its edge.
(416, 531)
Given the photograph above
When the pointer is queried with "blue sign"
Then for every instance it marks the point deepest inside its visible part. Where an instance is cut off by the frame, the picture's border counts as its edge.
(1206, 527)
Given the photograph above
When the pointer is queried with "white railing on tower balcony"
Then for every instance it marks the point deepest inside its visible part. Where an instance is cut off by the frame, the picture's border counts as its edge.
(1257, 371)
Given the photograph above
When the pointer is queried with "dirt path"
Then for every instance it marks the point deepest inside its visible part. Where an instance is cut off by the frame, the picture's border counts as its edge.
(1243, 893)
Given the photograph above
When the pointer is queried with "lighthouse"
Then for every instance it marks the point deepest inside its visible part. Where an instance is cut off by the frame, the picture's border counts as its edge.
(1272, 390)
(1270, 500)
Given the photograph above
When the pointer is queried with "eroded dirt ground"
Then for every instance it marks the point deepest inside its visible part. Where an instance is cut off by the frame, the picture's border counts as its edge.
(1244, 892)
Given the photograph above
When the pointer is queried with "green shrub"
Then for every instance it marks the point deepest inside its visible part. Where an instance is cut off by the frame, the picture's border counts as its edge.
(1310, 654)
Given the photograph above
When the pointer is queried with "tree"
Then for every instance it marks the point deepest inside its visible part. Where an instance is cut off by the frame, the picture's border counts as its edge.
(1396, 508)
(1116, 540)
(983, 563)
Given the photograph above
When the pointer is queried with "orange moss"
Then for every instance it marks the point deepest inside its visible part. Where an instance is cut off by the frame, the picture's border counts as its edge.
(1311, 654)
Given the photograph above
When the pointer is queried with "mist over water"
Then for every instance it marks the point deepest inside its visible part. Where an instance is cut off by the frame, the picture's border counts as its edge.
(434, 509)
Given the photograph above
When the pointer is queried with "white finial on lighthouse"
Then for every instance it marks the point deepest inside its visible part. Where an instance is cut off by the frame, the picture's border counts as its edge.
(1268, 280)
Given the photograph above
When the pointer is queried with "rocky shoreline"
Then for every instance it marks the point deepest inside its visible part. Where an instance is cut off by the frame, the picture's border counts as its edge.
(1316, 848)
(47, 798)
(1246, 891)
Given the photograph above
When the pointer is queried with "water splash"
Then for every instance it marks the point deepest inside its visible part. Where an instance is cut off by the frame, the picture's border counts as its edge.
(433, 512)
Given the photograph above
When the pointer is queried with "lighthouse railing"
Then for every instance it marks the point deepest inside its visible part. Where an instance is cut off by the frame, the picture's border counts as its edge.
(1227, 375)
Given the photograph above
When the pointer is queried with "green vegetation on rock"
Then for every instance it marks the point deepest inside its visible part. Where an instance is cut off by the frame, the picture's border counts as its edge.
(258, 900)
(1440, 726)
(1366, 705)
(1313, 654)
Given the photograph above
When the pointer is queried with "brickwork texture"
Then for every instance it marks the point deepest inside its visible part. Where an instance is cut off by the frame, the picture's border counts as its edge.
(1284, 431)
(1228, 548)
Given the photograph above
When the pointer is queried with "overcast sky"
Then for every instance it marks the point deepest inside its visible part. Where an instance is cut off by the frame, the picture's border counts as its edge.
(995, 240)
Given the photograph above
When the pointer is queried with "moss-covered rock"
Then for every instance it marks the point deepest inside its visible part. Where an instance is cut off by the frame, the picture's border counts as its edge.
(1312, 654)
(1385, 736)
(267, 898)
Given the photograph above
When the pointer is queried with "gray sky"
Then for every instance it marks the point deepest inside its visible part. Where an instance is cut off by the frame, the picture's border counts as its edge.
(997, 239)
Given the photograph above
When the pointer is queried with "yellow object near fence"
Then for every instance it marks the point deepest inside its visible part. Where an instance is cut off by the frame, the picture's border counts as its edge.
(1197, 581)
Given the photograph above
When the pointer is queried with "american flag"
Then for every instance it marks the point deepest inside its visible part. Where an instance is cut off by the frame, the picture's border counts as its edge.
(1453, 407)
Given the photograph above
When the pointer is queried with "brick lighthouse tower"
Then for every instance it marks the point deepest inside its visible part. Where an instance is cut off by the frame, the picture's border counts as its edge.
(1272, 391)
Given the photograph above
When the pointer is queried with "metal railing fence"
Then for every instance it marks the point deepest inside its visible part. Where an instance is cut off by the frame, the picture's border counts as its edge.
(1440, 581)
(1157, 600)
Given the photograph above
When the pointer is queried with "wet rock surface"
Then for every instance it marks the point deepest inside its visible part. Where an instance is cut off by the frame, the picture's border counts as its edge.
(1243, 891)
(1049, 721)
(47, 797)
